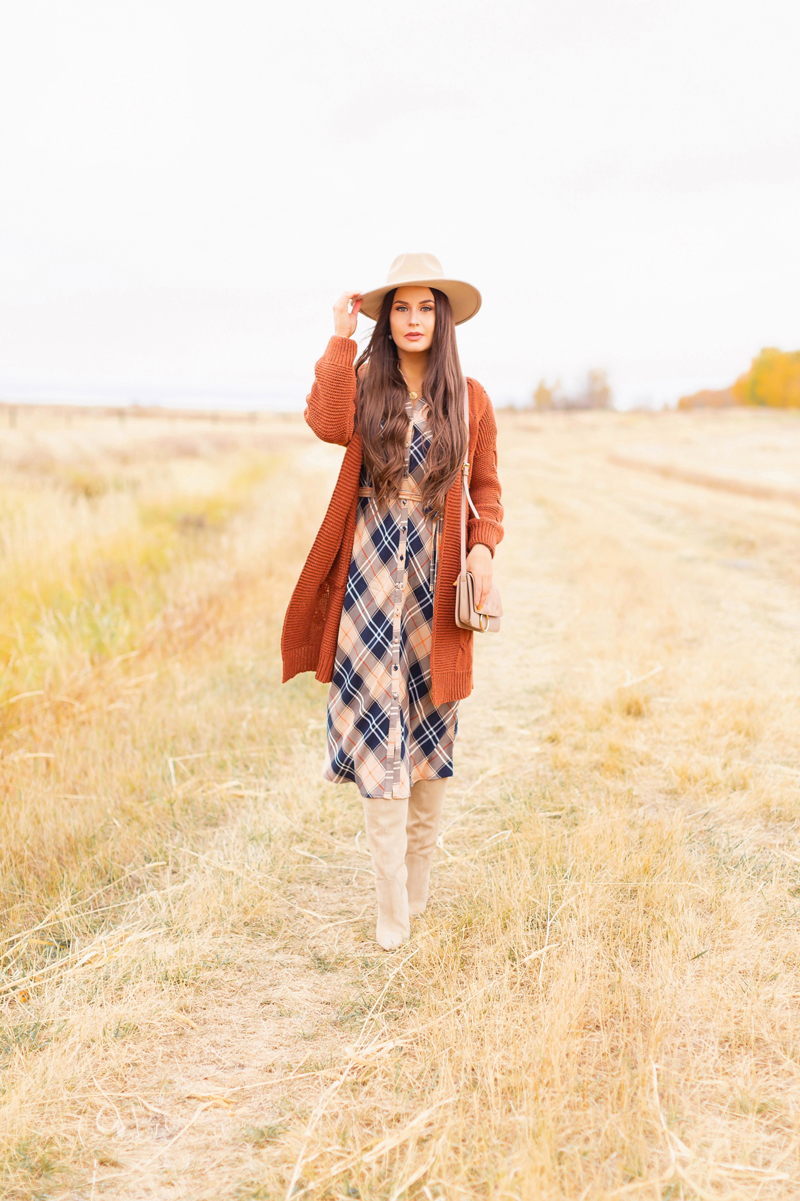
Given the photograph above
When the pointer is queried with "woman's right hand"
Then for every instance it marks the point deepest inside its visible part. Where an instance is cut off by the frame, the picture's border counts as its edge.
(345, 318)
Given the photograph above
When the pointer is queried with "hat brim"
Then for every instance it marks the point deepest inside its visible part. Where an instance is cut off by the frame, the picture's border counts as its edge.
(464, 299)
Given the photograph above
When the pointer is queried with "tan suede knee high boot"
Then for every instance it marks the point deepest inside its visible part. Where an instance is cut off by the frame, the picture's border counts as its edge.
(385, 819)
(424, 816)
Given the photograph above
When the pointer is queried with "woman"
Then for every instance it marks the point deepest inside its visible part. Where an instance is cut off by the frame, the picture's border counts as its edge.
(373, 610)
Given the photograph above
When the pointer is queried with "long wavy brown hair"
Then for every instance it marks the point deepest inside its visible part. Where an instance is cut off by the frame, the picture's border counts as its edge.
(381, 417)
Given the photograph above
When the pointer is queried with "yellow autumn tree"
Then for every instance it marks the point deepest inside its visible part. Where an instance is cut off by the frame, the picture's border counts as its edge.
(773, 380)
(543, 396)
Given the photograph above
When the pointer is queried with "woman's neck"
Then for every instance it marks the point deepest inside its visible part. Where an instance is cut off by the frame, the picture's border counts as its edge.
(413, 366)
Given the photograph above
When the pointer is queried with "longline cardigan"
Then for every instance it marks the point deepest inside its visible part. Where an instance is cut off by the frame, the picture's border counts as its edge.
(311, 624)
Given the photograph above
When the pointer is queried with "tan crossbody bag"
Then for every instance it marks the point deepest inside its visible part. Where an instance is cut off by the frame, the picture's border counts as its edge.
(467, 616)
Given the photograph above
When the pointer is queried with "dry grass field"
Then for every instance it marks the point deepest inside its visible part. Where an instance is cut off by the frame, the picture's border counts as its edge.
(603, 1000)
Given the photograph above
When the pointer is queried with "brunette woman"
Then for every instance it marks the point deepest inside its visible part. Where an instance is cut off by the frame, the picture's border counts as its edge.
(373, 611)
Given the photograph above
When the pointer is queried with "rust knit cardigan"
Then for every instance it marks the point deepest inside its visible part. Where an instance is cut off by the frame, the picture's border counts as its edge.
(311, 624)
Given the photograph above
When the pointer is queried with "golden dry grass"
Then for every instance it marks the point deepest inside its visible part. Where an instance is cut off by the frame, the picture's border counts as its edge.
(602, 1000)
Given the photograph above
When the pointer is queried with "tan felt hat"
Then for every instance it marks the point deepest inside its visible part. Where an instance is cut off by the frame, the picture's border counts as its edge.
(424, 271)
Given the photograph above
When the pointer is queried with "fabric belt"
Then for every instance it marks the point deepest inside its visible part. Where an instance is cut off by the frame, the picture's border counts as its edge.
(404, 493)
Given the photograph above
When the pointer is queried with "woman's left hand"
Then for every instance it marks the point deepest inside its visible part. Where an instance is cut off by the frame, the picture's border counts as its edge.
(479, 564)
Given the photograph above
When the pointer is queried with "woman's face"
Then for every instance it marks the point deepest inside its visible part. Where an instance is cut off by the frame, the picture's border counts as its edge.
(413, 318)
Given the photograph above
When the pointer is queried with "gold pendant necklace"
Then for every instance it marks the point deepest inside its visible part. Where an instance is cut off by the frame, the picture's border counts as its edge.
(412, 395)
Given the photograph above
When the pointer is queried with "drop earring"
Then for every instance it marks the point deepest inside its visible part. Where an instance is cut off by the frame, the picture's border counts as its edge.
(391, 339)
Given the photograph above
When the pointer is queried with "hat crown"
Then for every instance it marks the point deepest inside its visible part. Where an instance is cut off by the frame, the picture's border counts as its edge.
(425, 271)
(409, 267)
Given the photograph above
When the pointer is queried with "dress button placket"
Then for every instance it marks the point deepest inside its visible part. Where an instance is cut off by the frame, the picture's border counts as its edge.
(395, 758)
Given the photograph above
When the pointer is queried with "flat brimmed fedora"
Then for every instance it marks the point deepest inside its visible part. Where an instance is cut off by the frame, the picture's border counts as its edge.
(424, 271)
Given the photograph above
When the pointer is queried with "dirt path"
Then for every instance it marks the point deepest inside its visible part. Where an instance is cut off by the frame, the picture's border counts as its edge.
(263, 1039)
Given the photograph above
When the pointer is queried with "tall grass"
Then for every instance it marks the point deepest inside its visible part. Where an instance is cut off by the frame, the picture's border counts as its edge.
(602, 998)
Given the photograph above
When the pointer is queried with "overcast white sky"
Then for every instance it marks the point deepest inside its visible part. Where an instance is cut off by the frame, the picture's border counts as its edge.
(186, 186)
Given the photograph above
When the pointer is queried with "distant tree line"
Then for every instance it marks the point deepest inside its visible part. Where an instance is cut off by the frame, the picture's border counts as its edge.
(773, 381)
(595, 394)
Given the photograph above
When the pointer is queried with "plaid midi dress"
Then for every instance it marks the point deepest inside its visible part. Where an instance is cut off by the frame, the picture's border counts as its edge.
(384, 732)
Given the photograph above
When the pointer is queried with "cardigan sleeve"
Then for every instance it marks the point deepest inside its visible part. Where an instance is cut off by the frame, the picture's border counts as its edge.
(484, 486)
(331, 403)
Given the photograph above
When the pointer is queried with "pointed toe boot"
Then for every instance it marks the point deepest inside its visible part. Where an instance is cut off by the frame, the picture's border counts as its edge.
(385, 819)
(422, 830)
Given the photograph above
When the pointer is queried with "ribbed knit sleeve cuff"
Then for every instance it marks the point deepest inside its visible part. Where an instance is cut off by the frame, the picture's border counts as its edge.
(482, 531)
(341, 352)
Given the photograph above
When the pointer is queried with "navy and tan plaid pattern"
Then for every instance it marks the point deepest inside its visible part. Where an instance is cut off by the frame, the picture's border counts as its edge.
(384, 732)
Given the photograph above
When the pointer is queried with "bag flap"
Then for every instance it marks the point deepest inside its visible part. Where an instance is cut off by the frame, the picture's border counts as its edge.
(493, 606)
(466, 595)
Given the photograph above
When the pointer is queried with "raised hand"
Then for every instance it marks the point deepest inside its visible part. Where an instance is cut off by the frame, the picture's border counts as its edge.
(346, 318)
